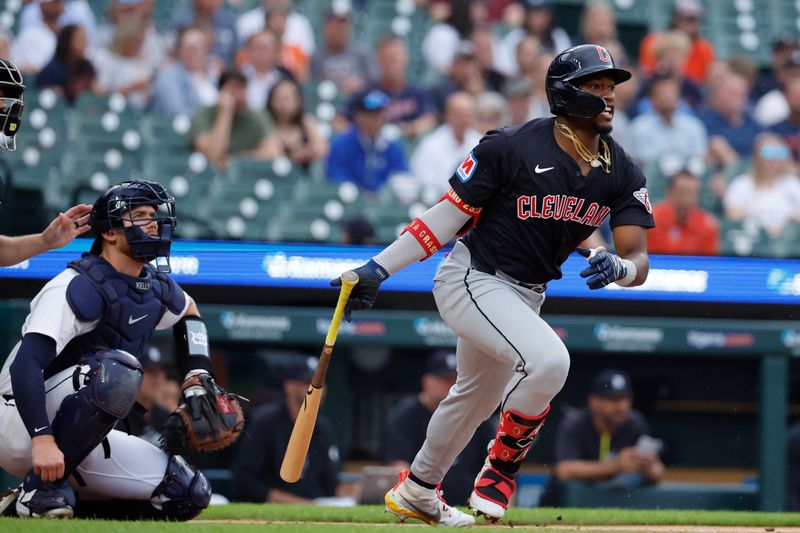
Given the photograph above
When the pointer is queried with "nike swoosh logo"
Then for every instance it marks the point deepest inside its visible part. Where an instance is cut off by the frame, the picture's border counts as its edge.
(539, 170)
(132, 320)
(37, 430)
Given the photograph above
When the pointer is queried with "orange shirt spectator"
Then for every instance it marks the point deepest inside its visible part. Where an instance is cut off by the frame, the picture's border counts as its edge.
(701, 55)
(686, 18)
(683, 228)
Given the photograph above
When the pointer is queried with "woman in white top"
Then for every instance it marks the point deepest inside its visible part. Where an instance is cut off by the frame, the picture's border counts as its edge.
(768, 195)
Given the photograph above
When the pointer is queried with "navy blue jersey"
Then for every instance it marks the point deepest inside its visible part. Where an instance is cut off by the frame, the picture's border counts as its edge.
(536, 205)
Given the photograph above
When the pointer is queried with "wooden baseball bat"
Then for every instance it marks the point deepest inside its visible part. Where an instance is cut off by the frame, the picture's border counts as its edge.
(297, 449)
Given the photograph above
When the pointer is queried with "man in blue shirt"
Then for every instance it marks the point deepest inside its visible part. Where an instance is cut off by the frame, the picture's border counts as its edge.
(363, 155)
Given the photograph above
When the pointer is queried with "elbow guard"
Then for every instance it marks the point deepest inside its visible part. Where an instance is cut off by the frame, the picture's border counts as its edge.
(473, 212)
(191, 344)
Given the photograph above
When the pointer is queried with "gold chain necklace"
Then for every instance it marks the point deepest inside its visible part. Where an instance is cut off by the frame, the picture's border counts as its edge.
(595, 160)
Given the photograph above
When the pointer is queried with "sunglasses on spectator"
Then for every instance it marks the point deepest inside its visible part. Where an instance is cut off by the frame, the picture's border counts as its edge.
(774, 151)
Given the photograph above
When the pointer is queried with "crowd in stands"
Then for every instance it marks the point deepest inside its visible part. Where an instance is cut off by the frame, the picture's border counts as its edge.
(717, 137)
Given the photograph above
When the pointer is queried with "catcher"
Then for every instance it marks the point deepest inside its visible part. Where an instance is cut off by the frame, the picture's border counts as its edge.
(75, 373)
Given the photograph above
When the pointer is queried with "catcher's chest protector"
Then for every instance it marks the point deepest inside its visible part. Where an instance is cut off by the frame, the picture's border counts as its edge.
(128, 308)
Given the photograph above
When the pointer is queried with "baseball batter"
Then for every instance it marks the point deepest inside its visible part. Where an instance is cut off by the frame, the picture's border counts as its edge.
(75, 374)
(523, 199)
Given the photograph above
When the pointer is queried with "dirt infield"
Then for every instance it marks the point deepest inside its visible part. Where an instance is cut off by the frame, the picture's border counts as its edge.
(527, 527)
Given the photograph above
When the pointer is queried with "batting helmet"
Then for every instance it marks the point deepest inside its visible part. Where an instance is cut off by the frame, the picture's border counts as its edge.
(11, 89)
(114, 207)
(568, 69)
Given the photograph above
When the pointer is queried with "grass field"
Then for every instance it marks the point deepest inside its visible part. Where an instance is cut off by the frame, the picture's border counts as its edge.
(368, 519)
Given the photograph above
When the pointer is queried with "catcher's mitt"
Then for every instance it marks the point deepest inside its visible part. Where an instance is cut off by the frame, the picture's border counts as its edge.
(208, 419)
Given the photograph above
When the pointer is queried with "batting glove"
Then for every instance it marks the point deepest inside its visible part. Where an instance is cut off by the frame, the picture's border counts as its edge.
(370, 277)
(604, 267)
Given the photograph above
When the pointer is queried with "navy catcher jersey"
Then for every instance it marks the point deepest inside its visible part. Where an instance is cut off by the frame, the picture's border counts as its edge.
(536, 206)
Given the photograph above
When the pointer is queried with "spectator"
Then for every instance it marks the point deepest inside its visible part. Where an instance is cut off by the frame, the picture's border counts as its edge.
(76, 12)
(122, 67)
(263, 443)
(443, 39)
(363, 155)
(296, 134)
(605, 441)
(407, 422)
(789, 129)
(189, 82)
(5, 44)
(792, 503)
(539, 105)
(36, 43)
(773, 107)
(465, 76)
(491, 112)
(768, 196)
(665, 132)
(230, 127)
(211, 14)
(782, 49)
(69, 72)
(527, 57)
(598, 26)
(540, 23)
(682, 226)
(158, 395)
(730, 128)
(357, 230)
(409, 106)
(519, 96)
(686, 19)
(340, 60)
(440, 151)
(483, 46)
(154, 50)
(263, 69)
(670, 49)
(293, 57)
(298, 29)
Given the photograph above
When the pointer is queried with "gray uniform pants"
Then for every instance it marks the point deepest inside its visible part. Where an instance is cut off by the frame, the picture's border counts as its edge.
(506, 355)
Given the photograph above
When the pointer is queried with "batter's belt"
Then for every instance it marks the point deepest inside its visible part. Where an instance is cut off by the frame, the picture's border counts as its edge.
(480, 266)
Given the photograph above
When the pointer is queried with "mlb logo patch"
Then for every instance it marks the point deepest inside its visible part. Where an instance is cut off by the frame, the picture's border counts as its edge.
(467, 168)
(643, 197)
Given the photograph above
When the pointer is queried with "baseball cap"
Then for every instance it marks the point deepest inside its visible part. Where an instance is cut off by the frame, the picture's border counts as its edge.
(441, 363)
(688, 8)
(793, 60)
(536, 4)
(301, 369)
(612, 383)
(373, 100)
(151, 357)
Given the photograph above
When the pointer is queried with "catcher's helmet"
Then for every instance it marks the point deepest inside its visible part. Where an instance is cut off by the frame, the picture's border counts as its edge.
(113, 209)
(572, 66)
(11, 89)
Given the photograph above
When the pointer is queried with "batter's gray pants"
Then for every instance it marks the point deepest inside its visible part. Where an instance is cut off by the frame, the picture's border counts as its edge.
(506, 355)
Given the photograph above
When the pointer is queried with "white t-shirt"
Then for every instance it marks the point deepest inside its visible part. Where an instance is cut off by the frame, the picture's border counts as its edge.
(438, 155)
(769, 207)
(34, 47)
(52, 316)
(298, 29)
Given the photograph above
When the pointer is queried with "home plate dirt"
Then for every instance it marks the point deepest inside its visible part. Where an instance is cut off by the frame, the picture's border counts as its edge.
(533, 527)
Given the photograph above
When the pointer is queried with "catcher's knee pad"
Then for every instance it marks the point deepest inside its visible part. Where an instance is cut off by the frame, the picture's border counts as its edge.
(184, 492)
(114, 381)
(85, 417)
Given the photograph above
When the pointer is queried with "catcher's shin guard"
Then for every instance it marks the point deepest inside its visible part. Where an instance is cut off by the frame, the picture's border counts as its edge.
(495, 484)
(184, 493)
(87, 416)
